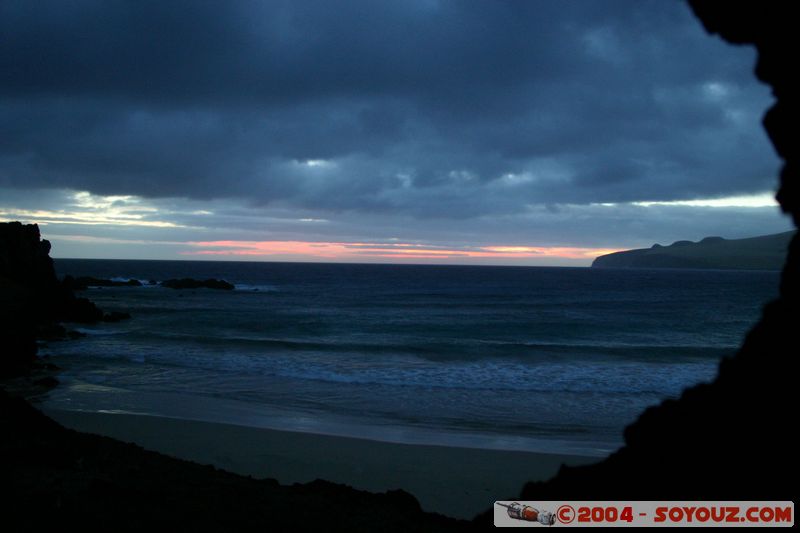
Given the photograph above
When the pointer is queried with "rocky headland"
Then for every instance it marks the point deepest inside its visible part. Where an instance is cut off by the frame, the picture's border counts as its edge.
(767, 252)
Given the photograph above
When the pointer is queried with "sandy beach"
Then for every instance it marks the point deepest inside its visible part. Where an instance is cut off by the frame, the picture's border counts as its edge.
(457, 482)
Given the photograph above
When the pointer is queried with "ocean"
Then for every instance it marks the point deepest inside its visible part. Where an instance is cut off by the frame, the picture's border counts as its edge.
(519, 358)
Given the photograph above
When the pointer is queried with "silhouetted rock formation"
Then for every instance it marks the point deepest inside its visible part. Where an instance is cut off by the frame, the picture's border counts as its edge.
(66, 480)
(188, 283)
(32, 300)
(733, 438)
(756, 253)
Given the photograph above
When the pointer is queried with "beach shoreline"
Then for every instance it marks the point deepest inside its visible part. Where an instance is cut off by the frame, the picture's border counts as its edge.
(453, 481)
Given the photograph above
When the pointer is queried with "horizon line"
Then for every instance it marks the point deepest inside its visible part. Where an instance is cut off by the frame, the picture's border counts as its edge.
(377, 263)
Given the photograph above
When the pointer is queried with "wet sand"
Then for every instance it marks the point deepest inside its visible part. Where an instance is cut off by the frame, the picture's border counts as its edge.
(457, 482)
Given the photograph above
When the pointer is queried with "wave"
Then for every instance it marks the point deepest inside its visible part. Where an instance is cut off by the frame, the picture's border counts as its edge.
(588, 380)
(438, 349)
(585, 377)
(103, 332)
(123, 279)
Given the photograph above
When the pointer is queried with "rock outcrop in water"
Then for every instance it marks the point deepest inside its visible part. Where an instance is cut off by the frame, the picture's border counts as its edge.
(757, 253)
(189, 283)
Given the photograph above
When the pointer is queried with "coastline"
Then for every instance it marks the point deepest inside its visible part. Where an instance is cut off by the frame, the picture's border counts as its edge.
(453, 481)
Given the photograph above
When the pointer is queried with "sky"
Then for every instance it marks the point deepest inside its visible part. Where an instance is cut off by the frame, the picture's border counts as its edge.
(419, 131)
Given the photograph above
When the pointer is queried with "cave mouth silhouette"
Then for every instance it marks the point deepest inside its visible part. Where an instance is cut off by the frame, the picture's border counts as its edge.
(733, 438)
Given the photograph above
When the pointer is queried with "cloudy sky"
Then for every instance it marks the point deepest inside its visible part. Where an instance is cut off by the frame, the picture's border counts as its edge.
(521, 132)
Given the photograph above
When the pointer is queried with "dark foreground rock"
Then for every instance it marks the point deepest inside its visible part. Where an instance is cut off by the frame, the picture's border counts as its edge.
(188, 283)
(57, 478)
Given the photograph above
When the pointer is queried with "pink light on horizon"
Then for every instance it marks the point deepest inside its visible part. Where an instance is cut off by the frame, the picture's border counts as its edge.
(398, 251)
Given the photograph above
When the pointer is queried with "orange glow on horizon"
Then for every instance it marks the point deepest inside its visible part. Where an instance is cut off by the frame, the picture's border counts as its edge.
(399, 251)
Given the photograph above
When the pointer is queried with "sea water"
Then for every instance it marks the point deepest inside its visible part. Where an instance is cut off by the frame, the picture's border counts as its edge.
(539, 359)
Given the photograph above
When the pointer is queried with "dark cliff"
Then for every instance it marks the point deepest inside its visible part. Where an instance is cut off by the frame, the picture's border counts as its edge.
(32, 299)
(757, 253)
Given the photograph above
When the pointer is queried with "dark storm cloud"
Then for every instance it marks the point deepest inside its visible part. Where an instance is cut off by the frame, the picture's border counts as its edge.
(425, 108)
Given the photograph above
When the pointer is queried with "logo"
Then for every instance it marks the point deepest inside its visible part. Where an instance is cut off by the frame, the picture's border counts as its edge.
(527, 513)
(574, 513)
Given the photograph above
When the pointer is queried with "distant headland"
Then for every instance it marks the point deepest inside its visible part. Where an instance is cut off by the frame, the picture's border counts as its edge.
(767, 252)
